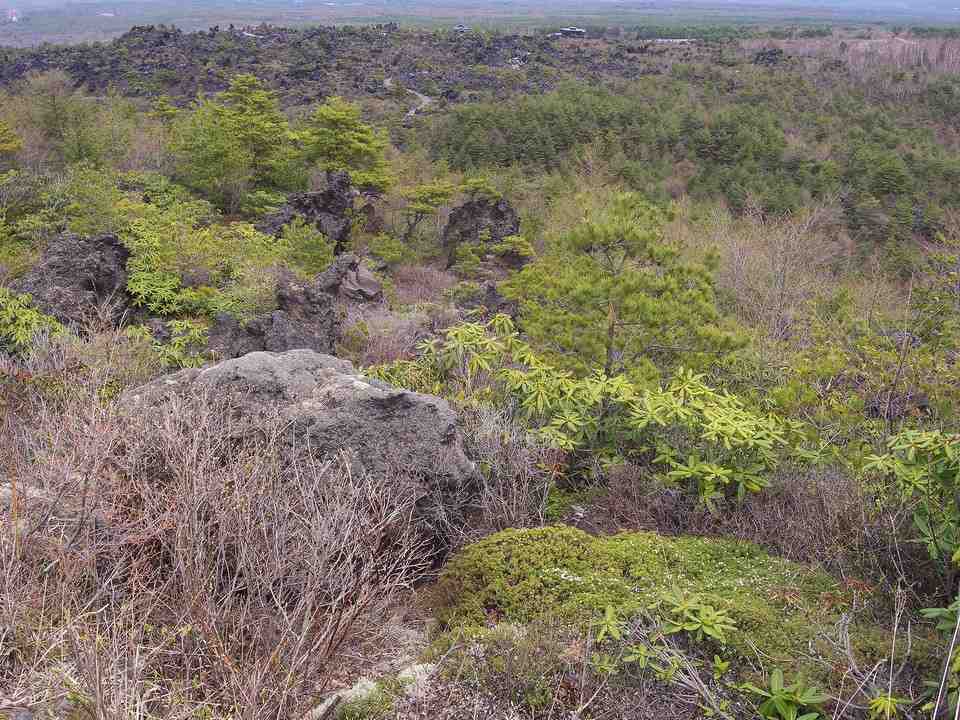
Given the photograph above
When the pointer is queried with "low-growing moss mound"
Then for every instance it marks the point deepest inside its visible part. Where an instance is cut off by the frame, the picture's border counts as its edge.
(565, 574)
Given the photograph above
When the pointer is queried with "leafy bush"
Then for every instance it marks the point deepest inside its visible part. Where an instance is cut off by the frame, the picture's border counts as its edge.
(179, 264)
(20, 322)
(234, 143)
(789, 702)
(307, 249)
(10, 142)
(707, 441)
(335, 138)
(613, 294)
(185, 348)
(925, 469)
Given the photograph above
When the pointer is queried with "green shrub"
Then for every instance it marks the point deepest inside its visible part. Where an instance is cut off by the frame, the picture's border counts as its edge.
(711, 443)
(181, 263)
(562, 573)
(308, 250)
(186, 347)
(20, 322)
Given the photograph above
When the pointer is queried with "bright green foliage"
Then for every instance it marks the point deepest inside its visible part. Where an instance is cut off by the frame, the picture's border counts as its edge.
(609, 626)
(10, 142)
(613, 295)
(236, 142)
(389, 249)
(251, 113)
(414, 375)
(16, 256)
(308, 250)
(467, 260)
(90, 201)
(186, 347)
(85, 200)
(561, 573)
(693, 615)
(257, 203)
(707, 441)
(65, 117)
(849, 381)
(514, 245)
(741, 135)
(336, 138)
(210, 159)
(885, 707)
(946, 620)
(375, 706)
(75, 126)
(425, 201)
(479, 187)
(937, 297)
(789, 702)
(164, 110)
(925, 469)
(178, 265)
(20, 322)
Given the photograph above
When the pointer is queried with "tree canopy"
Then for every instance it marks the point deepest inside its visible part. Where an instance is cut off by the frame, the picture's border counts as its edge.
(612, 294)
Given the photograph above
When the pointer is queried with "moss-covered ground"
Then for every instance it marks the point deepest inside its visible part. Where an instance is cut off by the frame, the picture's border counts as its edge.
(784, 613)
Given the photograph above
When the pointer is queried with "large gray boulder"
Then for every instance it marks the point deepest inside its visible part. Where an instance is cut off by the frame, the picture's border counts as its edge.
(323, 407)
(77, 275)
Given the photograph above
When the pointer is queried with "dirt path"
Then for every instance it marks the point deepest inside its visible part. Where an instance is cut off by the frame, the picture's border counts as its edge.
(422, 100)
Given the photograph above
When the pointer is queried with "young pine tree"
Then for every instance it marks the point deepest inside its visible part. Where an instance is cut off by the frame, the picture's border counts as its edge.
(336, 138)
(234, 143)
(612, 295)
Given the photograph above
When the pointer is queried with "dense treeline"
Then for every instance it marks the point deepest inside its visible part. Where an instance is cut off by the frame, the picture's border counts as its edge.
(778, 149)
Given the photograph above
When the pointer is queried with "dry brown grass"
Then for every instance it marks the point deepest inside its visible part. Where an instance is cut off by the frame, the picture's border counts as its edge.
(161, 567)
(421, 284)
(515, 470)
(822, 517)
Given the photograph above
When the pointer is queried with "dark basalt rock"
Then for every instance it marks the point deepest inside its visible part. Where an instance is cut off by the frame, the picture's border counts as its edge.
(76, 276)
(329, 210)
(483, 222)
(770, 57)
(307, 315)
(488, 302)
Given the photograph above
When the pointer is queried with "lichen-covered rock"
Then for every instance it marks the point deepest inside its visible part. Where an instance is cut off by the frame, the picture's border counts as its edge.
(76, 276)
(329, 210)
(361, 285)
(322, 407)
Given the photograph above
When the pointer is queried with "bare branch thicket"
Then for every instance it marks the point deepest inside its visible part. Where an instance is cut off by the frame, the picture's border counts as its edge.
(207, 570)
(515, 472)
(823, 516)
(771, 267)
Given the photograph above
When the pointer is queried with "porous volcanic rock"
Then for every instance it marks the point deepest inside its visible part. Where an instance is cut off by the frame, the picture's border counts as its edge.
(76, 275)
(308, 315)
(329, 210)
(483, 222)
(323, 407)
